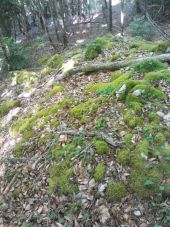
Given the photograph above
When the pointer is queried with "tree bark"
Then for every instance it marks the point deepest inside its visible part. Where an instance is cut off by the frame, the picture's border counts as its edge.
(113, 66)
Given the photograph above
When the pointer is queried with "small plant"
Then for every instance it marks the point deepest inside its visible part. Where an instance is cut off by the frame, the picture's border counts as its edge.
(92, 51)
(99, 172)
(141, 28)
(115, 191)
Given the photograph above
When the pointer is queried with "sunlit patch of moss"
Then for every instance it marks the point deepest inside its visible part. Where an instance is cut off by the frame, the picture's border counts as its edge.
(7, 106)
(124, 157)
(143, 147)
(60, 179)
(46, 71)
(56, 89)
(55, 62)
(149, 65)
(153, 117)
(54, 123)
(101, 147)
(99, 172)
(134, 121)
(115, 75)
(158, 75)
(115, 191)
(18, 149)
(25, 77)
(145, 182)
(111, 87)
(143, 45)
(149, 92)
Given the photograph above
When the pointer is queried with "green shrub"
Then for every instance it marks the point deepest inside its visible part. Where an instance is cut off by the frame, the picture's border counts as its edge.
(142, 28)
(149, 65)
(17, 57)
(92, 51)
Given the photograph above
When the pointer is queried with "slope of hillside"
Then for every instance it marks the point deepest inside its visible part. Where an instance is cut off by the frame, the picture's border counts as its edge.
(87, 149)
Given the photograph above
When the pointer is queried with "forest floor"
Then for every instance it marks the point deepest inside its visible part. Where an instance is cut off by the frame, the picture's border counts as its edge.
(90, 149)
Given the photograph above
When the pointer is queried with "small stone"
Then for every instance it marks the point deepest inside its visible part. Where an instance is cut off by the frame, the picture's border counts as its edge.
(105, 215)
(137, 213)
(101, 188)
(92, 183)
(160, 114)
(62, 138)
(138, 92)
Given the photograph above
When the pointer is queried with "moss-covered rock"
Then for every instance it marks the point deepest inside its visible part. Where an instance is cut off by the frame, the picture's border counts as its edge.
(99, 172)
(101, 147)
(7, 106)
(115, 191)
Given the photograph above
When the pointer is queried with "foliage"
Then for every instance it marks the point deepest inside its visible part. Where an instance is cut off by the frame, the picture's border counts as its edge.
(149, 65)
(55, 62)
(92, 51)
(7, 106)
(101, 147)
(142, 28)
(115, 191)
(17, 57)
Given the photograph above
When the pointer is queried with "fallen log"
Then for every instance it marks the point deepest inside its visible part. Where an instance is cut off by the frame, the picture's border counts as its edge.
(112, 66)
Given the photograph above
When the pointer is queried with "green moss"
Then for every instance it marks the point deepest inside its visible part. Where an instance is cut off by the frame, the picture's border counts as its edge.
(25, 77)
(149, 92)
(99, 172)
(124, 157)
(46, 71)
(153, 117)
(136, 106)
(143, 147)
(149, 65)
(54, 123)
(115, 57)
(44, 139)
(18, 149)
(160, 138)
(134, 121)
(128, 138)
(55, 62)
(145, 182)
(16, 193)
(143, 45)
(115, 191)
(106, 42)
(115, 75)
(7, 106)
(28, 134)
(56, 89)
(101, 147)
(162, 46)
(92, 51)
(59, 181)
(158, 75)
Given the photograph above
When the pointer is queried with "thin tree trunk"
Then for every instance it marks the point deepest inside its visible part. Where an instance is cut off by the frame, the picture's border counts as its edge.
(110, 16)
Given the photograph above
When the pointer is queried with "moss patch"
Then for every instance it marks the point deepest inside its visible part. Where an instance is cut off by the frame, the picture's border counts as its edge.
(55, 62)
(7, 106)
(115, 191)
(56, 89)
(101, 147)
(99, 172)
(158, 75)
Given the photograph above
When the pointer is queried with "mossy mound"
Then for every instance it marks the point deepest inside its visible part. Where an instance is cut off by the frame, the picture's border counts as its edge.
(56, 89)
(149, 65)
(7, 106)
(101, 147)
(59, 182)
(55, 62)
(25, 77)
(158, 75)
(134, 121)
(115, 191)
(92, 51)
(99, 172)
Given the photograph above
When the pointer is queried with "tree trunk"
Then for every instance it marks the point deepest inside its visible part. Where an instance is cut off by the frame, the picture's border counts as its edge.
(110, 16)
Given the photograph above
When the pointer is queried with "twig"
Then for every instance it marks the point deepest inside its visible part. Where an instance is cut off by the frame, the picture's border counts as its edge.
(101, 135)
(10, 184)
